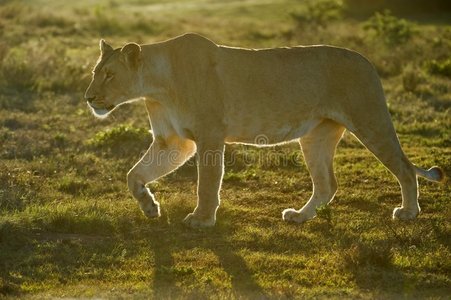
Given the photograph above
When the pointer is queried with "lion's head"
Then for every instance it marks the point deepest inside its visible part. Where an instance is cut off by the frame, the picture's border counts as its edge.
(115, 78)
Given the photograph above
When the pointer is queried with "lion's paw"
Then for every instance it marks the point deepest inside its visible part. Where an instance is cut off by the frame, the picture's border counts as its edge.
(194, 221)
(292, 215)
(401, 213)
(151, 209)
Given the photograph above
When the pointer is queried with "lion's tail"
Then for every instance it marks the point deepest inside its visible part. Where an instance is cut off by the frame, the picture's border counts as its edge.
(434, 174)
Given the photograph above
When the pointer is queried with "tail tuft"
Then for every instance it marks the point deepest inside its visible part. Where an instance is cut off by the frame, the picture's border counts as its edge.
(434, 174)
(437, 173)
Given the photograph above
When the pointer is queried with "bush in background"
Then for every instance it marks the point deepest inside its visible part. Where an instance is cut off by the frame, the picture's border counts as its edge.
(319, 12)
(392, 30)
(442, 68)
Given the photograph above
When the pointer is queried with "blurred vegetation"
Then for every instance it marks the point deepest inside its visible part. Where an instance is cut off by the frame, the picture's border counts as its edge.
(69, 228)
(364, 8)
(392, 30)
(319, 12)
(440, 67)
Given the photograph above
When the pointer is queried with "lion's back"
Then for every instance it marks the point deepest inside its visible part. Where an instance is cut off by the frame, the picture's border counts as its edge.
(273, 88)
(292, 76)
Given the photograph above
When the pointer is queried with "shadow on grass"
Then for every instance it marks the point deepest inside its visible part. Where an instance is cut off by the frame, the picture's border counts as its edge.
(164, 282)
(180, 238)
(243, 283)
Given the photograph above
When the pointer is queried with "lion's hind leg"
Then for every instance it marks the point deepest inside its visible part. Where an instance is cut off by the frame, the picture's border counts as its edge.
(384, 144)
(318, 147)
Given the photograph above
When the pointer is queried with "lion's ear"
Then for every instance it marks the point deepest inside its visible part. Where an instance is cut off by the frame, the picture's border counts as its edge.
(104, 47)
(132, 53)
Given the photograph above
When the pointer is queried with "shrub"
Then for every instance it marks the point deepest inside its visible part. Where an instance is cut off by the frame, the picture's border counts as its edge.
(60, 139)
(392, 30)
(319, 12)
(442, 68)
(121, 139)
(411, 78)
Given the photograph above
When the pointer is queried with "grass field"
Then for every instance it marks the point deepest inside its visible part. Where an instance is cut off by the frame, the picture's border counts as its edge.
(70, 228)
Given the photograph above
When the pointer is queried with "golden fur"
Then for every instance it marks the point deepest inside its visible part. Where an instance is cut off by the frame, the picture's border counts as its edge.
(200, 95)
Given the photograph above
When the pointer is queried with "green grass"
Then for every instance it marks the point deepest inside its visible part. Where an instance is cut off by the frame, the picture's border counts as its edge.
(70, 228)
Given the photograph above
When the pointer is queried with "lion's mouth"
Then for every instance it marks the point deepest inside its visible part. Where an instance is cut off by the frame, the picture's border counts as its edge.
(101, 111)
(101, 107)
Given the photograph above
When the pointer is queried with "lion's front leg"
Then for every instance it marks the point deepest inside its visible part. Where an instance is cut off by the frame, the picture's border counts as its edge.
(210, 168)
(163, 156)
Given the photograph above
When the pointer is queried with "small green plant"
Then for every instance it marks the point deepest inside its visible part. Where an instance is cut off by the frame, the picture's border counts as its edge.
(324, 212)
(60, 139)
(392, 30)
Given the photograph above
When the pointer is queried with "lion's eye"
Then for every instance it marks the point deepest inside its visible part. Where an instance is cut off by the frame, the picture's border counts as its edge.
(109, 76)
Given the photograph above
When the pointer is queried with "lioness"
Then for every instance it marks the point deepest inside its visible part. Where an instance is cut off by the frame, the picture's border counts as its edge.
(200, 96)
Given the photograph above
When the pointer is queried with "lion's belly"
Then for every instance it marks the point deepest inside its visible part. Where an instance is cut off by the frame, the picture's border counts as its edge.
(268, 133)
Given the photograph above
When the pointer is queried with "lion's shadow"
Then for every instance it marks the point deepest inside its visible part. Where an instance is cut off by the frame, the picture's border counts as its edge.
(179, 238)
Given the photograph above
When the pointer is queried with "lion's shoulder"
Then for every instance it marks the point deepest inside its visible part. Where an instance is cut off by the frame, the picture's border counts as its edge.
(193, 39)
